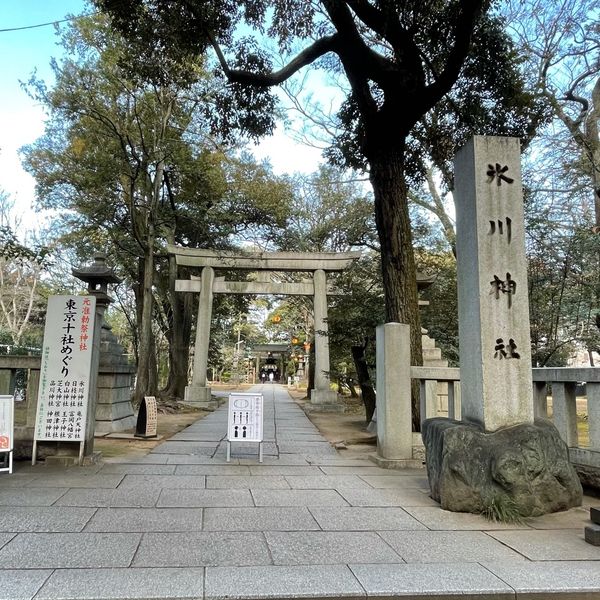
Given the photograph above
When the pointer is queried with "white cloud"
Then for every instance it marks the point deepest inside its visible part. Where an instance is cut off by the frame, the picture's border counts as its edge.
(19, 127)
(286, 155)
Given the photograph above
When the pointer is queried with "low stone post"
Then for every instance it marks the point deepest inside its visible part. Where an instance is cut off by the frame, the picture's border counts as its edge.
(394, 422)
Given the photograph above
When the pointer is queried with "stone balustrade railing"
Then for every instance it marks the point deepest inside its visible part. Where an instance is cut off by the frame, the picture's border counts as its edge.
(25, 408)
(440, 391)
(113, 410)
(555, 397)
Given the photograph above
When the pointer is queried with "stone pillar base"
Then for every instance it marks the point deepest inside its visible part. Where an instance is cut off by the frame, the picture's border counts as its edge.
(104, 427)
(415, 461)
(199, 396)
(527, 466)
(323, 397)
(67, 460)
(399, 463)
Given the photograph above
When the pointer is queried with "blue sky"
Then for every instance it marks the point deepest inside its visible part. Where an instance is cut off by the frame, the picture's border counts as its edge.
(22, 121)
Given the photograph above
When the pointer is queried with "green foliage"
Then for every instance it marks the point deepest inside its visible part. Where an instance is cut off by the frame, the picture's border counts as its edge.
(131, 168)
(331, 212)
(563, 291)
(489, 98)
(440, 318)
(401, 51)
(355, 313)
(22, 295)
(30, 343)
(12, 250)
(501, 508)
(400, 61)
(239, 108)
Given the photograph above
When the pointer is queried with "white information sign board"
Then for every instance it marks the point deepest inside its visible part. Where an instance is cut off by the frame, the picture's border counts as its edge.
(245, 420)
(7, 422)
(66, 369)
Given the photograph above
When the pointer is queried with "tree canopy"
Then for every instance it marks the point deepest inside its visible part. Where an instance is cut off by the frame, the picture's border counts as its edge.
(399, 59)
(131, 167)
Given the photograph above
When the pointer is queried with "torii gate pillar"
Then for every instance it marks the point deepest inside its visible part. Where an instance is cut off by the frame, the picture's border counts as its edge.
(322, 393)
(198, 393)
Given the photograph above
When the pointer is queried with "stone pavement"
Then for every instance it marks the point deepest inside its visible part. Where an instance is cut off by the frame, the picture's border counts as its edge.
(181, 523)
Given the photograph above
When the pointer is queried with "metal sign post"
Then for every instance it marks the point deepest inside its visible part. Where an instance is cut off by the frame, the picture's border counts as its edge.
(7, 423)
(245, 421)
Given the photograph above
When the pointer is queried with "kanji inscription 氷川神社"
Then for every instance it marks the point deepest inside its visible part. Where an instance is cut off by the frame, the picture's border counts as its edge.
(498, 173)
(495, 353)
(506, 286)
(502, 350)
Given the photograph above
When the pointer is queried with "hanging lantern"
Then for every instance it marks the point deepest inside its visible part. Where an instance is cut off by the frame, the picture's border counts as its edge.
(275, 318)
(307, 347)
(295, 340)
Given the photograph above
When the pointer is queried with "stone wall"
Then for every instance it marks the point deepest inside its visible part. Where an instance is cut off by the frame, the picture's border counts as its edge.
(114, 411)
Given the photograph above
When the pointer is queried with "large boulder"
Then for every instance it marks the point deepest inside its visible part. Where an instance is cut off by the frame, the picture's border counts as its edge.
(529, 463)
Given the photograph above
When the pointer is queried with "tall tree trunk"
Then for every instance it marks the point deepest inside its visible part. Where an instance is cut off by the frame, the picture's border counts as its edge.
(364, 380)
(180, 335)
(152, 367)
(145, 378)
(397, 258)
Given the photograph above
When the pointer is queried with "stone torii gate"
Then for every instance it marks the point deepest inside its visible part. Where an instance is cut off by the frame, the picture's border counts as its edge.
(319, 263)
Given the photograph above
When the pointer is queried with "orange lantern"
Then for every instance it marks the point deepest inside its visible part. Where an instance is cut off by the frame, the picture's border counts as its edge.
(275, 319)
(295, 340)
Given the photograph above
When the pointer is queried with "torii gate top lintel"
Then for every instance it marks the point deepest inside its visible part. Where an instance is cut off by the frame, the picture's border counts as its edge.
(257, 261)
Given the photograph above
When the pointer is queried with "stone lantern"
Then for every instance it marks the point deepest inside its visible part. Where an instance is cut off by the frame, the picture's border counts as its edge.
(97, 276)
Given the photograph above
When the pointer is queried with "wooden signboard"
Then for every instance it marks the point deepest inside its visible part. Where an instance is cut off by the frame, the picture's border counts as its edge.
(66, 371)
(147, 420)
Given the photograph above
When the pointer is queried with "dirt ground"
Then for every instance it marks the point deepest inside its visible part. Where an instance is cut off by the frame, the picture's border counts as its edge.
(346, 431)
(168, 424)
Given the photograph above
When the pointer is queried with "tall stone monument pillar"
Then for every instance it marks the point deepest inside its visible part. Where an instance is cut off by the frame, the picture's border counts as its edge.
(322, 394)
(497, 454)
(495, 355)
(198, 393)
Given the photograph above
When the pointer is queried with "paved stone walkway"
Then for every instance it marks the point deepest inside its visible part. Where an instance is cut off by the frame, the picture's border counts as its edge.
(181, 523)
